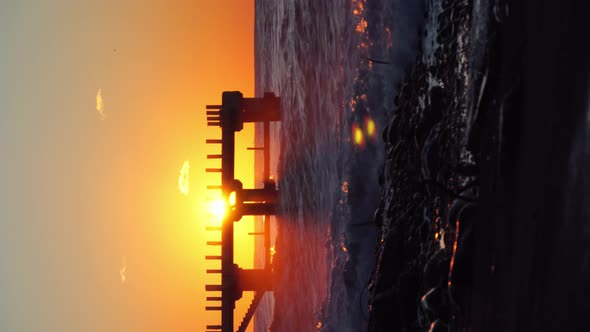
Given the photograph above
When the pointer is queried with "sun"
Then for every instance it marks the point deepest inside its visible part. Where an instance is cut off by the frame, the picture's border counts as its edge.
(217, 209)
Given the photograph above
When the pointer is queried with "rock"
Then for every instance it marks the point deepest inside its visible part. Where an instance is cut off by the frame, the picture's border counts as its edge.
(390, 133)
(436, 269)
(431, 303)
(430, 153)
(466, 213)
(438, 326)
(378, 216)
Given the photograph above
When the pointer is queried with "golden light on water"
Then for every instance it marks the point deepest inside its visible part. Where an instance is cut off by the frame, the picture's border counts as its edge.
(389, 38)
(359, 7)
(361, 26)
(183, 183)
(100, 104)
(353, 102)
(358, 11)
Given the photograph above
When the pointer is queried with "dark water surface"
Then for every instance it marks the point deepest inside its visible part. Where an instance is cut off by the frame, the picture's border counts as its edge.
(303, 54)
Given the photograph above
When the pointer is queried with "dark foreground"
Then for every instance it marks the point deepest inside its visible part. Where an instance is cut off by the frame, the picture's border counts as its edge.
(485, 214)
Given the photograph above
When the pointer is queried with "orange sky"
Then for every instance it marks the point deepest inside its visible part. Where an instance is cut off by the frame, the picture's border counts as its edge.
(84, 197)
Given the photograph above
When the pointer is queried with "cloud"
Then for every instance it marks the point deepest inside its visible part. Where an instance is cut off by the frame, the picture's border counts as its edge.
(183, 184)
(99, 104)
(123, 273)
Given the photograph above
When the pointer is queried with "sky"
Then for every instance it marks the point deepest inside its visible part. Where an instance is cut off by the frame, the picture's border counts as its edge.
(95, 234)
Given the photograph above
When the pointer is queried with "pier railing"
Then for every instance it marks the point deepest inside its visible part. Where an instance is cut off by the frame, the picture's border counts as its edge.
(234, 111)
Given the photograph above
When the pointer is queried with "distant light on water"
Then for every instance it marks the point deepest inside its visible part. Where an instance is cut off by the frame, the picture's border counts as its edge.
(100, 104)
(359, 7)
(389, 38)
(358, 136)
(358, 11)
(370, 127)
(183, 184)
(344, 248)
(361, 26)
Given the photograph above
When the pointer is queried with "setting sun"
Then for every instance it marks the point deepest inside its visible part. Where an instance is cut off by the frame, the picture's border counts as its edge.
(217, 209)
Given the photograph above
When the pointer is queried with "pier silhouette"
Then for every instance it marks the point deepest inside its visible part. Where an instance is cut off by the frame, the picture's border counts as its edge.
(231, 115)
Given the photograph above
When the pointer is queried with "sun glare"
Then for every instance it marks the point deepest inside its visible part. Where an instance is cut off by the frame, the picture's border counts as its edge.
(232, 198)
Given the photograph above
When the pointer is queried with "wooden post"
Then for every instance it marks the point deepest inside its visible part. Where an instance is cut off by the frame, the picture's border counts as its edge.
(231, 106)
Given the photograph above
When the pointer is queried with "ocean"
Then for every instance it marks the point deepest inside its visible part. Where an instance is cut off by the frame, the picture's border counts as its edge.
(336, 65)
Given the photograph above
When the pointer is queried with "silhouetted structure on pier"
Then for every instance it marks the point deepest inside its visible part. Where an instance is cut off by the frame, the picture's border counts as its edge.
(231, 115)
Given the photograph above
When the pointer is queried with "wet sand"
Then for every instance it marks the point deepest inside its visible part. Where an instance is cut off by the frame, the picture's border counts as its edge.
(534, 228)
(498, 239)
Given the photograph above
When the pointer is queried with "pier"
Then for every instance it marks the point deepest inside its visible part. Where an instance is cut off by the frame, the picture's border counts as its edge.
(234, 111)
